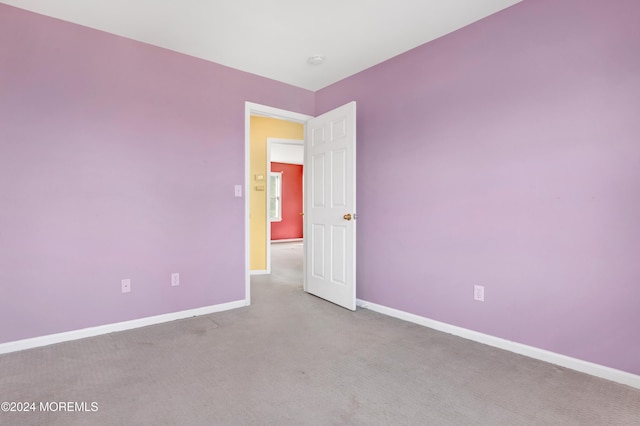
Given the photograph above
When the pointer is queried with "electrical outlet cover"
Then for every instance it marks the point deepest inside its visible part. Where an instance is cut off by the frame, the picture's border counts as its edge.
(478, 293)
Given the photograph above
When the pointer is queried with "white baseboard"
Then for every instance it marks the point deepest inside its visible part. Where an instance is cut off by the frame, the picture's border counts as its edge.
(260, 272)
(289, 240)
(51, 339)
(519, 348)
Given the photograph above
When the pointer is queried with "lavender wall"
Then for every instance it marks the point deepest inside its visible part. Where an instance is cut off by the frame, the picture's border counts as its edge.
(507, 154)
(117, 160)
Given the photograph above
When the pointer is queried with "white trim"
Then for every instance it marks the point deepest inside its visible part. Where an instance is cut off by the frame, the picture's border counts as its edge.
(269, 219)
(279, 218)
(515, 347)
(250, 109)
(20, 345)
(260, 272)
(285, 142)
(288, 240)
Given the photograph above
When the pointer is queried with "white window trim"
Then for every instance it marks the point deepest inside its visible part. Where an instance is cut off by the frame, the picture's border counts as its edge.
(277, 196)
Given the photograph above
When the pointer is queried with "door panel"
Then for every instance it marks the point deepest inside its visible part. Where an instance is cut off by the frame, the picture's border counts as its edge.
(331, 197)
(317, 174)
(317, 244)
(338, 251)
(338, 180)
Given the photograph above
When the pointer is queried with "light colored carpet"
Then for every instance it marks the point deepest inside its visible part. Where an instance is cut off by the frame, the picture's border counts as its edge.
(293, 359)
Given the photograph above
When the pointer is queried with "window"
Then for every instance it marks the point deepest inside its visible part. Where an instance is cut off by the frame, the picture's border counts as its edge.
(275, 196)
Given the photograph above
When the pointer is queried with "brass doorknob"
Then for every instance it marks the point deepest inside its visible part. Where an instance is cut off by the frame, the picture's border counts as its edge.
(347, 216)
(301, 214)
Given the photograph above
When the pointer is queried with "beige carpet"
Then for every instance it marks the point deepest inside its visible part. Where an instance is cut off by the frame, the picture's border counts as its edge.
(293, 359)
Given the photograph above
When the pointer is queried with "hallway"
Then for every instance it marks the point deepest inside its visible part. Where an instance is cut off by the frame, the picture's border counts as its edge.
(286, 269)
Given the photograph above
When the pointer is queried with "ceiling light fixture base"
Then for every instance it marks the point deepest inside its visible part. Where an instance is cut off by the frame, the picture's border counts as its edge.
(315, 59)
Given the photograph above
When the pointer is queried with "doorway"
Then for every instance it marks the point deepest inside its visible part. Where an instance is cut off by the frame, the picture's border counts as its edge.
(329, 249)
(257, 183)
(285, 194)
(260, 190)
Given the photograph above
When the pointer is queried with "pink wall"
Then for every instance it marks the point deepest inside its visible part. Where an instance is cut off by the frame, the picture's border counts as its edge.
(507, 154)
(117, 160)
(291, 224)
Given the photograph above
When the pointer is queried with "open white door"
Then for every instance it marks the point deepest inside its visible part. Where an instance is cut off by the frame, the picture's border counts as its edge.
(330, 205)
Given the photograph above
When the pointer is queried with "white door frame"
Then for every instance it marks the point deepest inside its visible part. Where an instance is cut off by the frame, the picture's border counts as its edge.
(270, 143)
(250, 109)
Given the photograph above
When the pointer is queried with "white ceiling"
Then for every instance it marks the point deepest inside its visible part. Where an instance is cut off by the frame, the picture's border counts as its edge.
(274, 38)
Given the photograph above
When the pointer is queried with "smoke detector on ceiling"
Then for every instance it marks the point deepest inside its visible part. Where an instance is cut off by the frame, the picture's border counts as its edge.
(316, 59)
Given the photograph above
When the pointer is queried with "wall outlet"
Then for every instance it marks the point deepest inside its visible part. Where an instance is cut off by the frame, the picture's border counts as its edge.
(478, 293)
(175, 279)
(126, 285)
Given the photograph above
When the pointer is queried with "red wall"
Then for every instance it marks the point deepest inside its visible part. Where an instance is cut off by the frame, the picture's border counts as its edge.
(291, 225)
